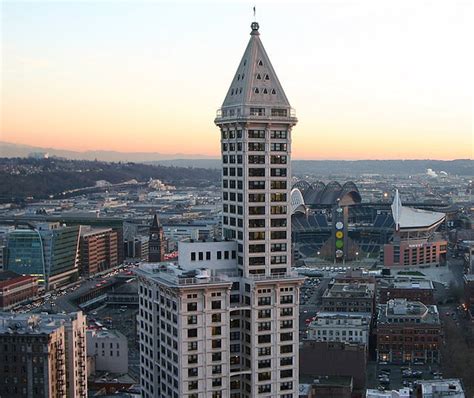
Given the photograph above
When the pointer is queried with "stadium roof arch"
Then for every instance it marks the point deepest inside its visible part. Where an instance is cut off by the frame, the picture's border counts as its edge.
(320, 194)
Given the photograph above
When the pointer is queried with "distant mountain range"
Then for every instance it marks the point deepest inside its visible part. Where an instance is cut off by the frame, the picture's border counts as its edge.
(9, 150)
(300, 167)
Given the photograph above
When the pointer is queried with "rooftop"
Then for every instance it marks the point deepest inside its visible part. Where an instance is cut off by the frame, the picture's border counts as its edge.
(356, 289)
(442, 388)
(27, 324)
(409, 217)
(402, 310)
(408, 283)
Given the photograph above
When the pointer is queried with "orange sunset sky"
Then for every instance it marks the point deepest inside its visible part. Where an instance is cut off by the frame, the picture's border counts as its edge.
(368, 79)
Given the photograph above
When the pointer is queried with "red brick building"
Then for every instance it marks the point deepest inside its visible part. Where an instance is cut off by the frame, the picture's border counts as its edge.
(97, 250)
(410, 288)
(407, 332)
(415, 241)
(16, 288)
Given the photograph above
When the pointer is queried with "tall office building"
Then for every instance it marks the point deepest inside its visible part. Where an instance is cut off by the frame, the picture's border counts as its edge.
(224, 322)
(43, 355)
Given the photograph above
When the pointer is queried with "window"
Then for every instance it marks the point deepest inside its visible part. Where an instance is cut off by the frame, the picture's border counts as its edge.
(257, 223)
(256, 146)
(263, 351)
(193, 256)
(256, 159)
(278, 259)
(256, 248)
(257, 111)
(216, 304)
(208, 256)
(192, 319)
(257, 197)
(192, 346)
(278, 172)
(278, 159)
(257, 184)
(264, 301)
(280, 112)
(192, 333)
(279, 134)
(193, 385)
(256, 210)
(192, 306)
(278, 197)
(257, 261)
(256, 134)
(257, 235)
(278, 147)
(278, 209)
(278, 222)
(278, 185)
(253, 172)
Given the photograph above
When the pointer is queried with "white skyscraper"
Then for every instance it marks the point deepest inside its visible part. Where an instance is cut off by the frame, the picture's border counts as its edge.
(224, 322)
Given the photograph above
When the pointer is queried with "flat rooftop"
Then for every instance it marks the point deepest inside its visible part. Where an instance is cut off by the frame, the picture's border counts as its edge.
(28, 324)
(409, 283)
(402, 310)
(359, 290)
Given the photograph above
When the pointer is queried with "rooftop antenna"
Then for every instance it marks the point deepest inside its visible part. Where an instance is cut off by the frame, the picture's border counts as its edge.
(254, 14)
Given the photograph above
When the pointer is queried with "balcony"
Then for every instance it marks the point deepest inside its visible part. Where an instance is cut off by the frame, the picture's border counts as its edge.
(263, 113)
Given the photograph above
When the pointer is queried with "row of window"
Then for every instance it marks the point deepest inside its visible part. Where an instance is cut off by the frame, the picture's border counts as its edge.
(267, 313)
(258, 159)
(220, 255)
(254, 134)
(260, 235)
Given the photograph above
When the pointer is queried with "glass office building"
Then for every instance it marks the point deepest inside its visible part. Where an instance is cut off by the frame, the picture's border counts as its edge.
(49, 252)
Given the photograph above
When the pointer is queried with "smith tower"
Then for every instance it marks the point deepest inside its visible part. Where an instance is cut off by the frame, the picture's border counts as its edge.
(255, 121)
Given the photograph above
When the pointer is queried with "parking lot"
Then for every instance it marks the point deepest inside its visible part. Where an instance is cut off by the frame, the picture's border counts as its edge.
(398, 376)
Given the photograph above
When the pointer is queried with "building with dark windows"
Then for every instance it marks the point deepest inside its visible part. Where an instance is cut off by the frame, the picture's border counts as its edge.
(408, 332)
(98, 250)
(410, 288)
(48, 251)
(349, 297)
(156, 242)
(43, 356)
(227, 320)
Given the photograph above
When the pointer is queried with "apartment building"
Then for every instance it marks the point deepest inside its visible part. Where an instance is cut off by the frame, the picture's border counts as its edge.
(43, 356)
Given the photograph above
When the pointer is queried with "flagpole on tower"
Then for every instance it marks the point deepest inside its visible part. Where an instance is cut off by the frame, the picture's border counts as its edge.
(254, 14)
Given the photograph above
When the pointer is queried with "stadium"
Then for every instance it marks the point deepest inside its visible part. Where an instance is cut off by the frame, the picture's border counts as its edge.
(390, 234)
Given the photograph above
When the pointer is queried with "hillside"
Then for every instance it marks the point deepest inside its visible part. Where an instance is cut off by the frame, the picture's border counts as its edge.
(39, 178)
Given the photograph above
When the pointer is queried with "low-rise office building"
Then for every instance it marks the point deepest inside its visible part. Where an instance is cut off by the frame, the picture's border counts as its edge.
(407, 332)
(350, 327)
(43, 356)
(15, 289)
(349, 297)
(109, 348)
(410, 288)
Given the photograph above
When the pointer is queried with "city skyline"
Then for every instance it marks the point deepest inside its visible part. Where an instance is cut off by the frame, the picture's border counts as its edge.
(369, 80)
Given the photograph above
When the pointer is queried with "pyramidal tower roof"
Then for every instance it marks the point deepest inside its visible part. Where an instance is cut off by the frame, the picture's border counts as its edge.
(255, 81)
(156, 222)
